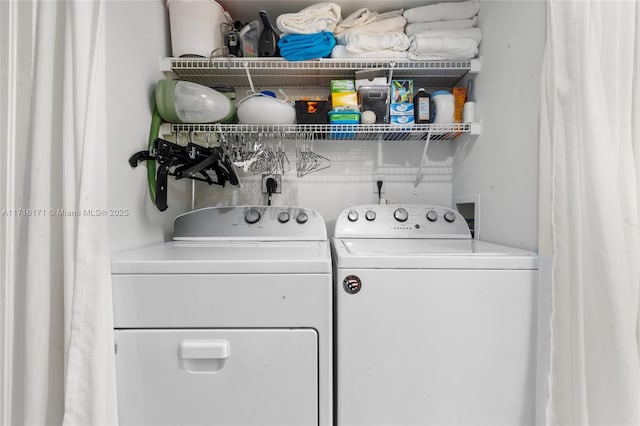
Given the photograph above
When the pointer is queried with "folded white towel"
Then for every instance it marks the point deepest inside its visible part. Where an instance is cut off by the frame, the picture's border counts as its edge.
(456, 24)
(363, 17)
(313, 19)
(341, 52)
(386, 25)
(359, 17)
(358, 41)
(443, 11)
(470, 33)
(443, 48)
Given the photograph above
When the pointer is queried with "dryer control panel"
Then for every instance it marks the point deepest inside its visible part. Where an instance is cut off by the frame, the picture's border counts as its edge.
(401, 221)
(255, 223)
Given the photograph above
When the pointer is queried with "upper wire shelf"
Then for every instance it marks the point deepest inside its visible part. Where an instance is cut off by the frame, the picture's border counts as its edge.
(338, 132)
(278, 72)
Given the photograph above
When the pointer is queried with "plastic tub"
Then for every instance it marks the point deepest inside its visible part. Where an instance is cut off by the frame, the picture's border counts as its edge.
(198, 27)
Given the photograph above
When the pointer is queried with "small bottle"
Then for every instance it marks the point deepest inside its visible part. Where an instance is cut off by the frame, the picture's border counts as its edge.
(469, 111)
(421, 104)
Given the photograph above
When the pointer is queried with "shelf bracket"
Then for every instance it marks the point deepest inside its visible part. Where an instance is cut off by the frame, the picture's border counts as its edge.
(422, 160)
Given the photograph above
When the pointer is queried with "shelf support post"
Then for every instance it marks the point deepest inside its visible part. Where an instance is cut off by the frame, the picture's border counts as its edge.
(392, 65)
(246, 68)
(422, 160)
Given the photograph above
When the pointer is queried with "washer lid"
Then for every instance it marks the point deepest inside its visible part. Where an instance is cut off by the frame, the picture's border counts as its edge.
(226, 257)
(429, 254)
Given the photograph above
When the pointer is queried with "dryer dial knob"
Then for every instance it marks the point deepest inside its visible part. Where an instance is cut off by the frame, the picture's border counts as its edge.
(284, 217)
(432, 215)
(401, 215)
(252, 216)
(370, 215)
(450, 216)
(352, 216)
(302, 218)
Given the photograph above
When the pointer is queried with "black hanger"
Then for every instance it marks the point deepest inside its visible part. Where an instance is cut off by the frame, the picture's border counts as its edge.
(191, 162)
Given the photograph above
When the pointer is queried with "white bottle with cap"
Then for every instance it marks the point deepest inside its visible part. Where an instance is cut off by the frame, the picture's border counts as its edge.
(469, 109)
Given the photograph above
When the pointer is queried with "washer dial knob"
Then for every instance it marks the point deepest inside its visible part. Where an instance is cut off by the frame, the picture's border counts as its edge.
(252, 216)
(302, 217)
(401, 215)
(352, 216)
(432, 215)
(450, 216)
(370, 215)
(284, 217)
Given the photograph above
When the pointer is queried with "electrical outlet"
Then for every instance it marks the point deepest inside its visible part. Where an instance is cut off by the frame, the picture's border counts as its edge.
(277, 177)
(376, 178)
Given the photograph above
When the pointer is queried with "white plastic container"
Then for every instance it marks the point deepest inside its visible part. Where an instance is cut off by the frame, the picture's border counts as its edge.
(442, 107)
(198, 27)
(263, 109)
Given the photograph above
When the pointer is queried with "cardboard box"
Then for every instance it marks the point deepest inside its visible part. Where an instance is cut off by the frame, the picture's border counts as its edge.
(343, 93)
(401, 98)
(401, 109)
(402, 91)
(344, 121)
(402, 119)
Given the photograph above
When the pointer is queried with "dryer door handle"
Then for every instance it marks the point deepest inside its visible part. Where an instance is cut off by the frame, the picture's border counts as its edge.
(204, 349)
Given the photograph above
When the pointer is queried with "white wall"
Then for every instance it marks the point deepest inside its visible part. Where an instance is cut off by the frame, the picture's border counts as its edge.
(247, 10)
(350, 179)
(502, 164)
(137, 37)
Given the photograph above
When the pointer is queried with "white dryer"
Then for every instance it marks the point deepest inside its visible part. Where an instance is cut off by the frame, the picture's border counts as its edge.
(229, 324)
(432, 327)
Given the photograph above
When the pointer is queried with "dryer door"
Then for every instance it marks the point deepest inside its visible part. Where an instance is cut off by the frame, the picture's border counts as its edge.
(217, 377)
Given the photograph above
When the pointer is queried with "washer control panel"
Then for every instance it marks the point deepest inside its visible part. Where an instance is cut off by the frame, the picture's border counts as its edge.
(401, 221)
(261, 223)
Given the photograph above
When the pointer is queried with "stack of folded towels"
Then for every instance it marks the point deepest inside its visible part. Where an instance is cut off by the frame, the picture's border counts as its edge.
(367, 34)
(435, 31)
(308, 34)
(443, 30)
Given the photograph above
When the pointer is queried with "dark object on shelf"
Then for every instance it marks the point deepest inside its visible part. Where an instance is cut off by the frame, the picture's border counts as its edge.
(312, 112)
(421, 107)
(233, 43)
(376, 99)
(192, 162)
(268, 42)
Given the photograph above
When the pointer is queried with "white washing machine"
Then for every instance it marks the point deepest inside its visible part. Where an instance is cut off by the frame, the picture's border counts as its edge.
(432, 327)
(229, 324)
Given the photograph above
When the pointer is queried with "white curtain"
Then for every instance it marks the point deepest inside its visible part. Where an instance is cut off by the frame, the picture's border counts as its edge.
(589, 209)
(64, 355)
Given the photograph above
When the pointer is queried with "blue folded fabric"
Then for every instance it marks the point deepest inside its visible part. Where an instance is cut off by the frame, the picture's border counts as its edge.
(301, 47)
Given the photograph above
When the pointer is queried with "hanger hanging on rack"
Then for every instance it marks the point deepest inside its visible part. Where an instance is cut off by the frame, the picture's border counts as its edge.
(307, 161)
(192, 161)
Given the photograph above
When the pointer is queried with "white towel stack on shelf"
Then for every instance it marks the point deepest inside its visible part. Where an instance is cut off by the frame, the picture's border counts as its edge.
(367, 34)
(443, 30)
(313, 19)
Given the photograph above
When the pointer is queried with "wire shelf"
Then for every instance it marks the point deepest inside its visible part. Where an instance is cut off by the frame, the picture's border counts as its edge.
(278, 72)
(335, 132)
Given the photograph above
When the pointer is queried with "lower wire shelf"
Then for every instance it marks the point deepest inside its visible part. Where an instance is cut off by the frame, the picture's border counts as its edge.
(338, 132)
